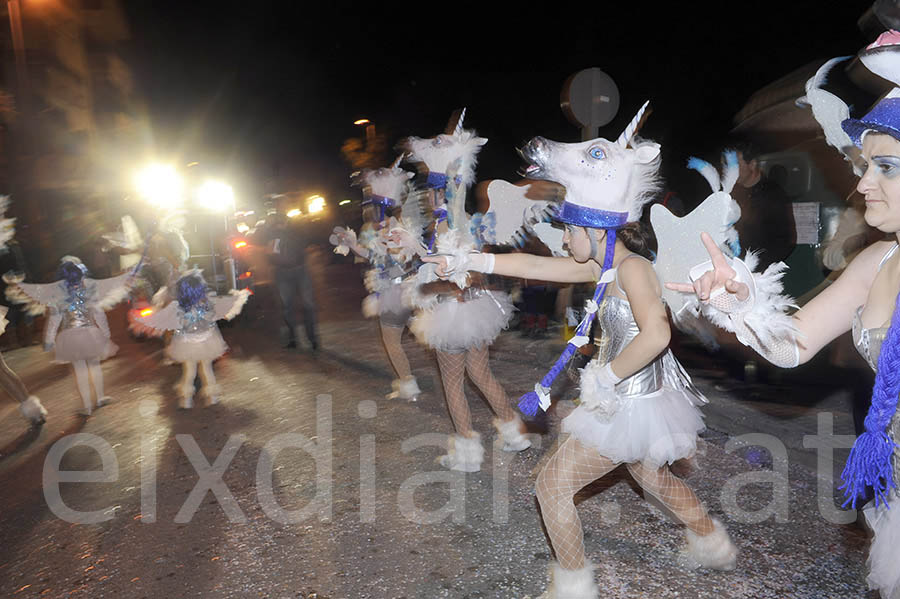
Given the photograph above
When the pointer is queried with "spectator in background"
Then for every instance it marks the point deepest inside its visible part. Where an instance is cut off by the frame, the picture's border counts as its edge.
(286, 245)
(766, 225)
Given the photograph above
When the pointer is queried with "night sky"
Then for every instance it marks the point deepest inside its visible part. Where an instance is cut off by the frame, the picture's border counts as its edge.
(263, 90)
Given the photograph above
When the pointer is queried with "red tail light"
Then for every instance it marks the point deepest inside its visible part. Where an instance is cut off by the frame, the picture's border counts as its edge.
(239, 244)
(146, 312)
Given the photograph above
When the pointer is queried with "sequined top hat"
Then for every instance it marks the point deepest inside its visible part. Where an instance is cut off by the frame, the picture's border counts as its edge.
(882, 58)
(884, 118)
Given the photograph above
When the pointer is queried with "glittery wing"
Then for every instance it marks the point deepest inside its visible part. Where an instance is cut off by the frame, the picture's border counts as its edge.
(7, 229)
(514, 213)
(34, 297)
(156, 323)
(109, 292)
(229, 306)
(680, 247)
(552, 237)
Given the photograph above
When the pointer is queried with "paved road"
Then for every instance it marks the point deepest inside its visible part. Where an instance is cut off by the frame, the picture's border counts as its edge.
(328, 490)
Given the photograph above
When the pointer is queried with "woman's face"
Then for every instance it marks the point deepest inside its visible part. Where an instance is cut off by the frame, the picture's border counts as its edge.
(880, 183)
(576, 240)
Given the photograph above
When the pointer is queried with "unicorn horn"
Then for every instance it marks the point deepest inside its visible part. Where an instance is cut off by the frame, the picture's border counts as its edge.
(632, 127)
(459, 124)
(397, 162)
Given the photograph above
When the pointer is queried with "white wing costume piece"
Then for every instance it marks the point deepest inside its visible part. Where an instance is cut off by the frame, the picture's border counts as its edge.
(171, 318)
(515, 216)
(678, 238)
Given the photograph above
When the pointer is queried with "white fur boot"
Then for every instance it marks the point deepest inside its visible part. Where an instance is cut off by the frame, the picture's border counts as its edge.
(33, 410)
(511, 434)
(211, 393)
(465, 454)
(714, 550)
(571, 584)
(405, 388)
(186, 396)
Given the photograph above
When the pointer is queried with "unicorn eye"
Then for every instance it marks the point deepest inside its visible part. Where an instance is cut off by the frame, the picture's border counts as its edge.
(597, 153)
(437, 141)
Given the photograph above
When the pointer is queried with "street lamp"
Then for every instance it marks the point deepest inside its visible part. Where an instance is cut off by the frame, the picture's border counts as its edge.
(370, 129)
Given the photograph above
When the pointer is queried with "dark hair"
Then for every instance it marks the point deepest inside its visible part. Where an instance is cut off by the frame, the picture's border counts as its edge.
(191, 290)
(71, 272)
(638, 237)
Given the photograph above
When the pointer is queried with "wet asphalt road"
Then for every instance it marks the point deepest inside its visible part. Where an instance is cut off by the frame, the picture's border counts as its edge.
(324, 489)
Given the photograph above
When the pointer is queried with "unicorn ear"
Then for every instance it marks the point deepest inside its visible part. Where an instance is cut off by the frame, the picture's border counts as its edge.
(481, 140)
(410, 175)
(647, 152)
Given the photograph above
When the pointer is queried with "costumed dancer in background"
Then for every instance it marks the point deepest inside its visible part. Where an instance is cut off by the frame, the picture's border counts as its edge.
(638, 406)
(29, 405)
(77, 328)
(384, 190)
(459, 320)
(864, 300)
(197, 340)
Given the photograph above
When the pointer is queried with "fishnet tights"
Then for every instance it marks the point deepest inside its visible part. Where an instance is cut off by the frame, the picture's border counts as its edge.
(573, 467)
(391, 336)
(453, 369)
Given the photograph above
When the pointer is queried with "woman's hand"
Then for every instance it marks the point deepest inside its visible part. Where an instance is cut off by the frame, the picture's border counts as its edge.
(449, 265)
(721, 276)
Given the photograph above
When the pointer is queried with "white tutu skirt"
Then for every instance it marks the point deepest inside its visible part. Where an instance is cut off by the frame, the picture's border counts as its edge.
(884, 567)
(454, 326)
(83, 343)
(389, 306)
(655, 429)
(197, 347)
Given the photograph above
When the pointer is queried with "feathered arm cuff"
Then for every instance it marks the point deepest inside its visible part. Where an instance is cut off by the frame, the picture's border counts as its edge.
(761, 321)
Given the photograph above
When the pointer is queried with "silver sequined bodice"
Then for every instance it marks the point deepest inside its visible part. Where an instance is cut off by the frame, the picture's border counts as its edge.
(197, 321)
(618, 329)
(76, 313)
(868, 343)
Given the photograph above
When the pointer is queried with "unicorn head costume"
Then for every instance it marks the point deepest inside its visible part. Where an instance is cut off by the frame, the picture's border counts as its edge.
(607, 184)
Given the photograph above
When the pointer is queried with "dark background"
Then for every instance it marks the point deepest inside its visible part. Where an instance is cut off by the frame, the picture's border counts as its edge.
(270, 90)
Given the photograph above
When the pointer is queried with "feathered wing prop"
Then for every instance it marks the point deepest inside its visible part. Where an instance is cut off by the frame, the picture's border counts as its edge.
(7, 225)
(157, 323)
(34, 297)
(515, 215)
(109, 292)
(829, 110)
(229, 306)
(412, 213)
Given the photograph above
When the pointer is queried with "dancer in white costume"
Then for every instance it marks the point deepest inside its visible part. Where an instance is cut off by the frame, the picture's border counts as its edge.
(29, 405)
(638, 406)
(197, 340)
(384, 190)
(459, 320)
(77, 328)
(863, 300)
